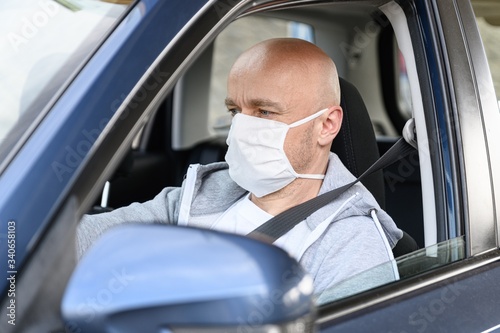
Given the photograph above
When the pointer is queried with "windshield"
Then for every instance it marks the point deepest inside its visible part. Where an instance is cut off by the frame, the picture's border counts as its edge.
(405, 266)
(43, 43)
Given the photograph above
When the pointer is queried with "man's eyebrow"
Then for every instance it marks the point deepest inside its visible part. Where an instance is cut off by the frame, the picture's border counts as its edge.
(266, 103)
(229, 101)
(258, 102)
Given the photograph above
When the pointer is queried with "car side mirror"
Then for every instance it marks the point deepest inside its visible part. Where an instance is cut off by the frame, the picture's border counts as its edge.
(164, 278)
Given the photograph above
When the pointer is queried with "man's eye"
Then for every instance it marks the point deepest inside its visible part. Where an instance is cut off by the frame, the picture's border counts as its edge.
(265, 113)
(233, 112)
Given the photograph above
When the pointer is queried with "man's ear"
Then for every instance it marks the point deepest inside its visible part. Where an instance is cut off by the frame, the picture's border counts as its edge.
(330, 125)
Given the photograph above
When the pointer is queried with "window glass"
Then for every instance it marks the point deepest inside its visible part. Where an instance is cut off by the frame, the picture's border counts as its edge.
(403, 93)
(43, 42)
(489, 28)
(235, 39)
(488, 21)
(408, 265)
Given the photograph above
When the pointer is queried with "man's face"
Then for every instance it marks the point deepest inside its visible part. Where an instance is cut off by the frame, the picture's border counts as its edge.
(280, 95)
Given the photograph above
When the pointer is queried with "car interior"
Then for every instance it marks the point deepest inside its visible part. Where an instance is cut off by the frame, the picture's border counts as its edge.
(382, 93)
(191, 125)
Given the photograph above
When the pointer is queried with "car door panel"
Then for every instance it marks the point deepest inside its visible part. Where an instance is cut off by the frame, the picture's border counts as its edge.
(458, 303)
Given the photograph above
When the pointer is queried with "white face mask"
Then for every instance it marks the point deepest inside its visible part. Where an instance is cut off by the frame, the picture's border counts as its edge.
(257, 161)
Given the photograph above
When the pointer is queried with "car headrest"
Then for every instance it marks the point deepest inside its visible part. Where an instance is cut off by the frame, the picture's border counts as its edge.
(356, 144)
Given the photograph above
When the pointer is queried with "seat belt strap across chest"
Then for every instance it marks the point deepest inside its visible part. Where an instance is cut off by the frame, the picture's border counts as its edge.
(279, 225)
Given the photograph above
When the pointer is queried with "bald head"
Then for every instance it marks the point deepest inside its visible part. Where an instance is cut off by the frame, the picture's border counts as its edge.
(287, 80)
(294, 65)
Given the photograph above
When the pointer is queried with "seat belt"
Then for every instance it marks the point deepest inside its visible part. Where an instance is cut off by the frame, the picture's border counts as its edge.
(279, 225)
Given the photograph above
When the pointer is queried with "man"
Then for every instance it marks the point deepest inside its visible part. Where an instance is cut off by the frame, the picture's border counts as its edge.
(284, 95)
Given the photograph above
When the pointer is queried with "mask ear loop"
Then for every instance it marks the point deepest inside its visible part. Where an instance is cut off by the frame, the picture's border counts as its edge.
(308, 118)
(298, 123)
(309, 176)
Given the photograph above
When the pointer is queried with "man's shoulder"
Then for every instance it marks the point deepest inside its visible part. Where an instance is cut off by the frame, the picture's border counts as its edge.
(337, 173)
(353, 205)
(354, 201)
(350, 229)
(209, 169)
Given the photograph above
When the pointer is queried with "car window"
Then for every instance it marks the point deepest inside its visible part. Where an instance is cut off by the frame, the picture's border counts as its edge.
(409, 265)
(488, 22)
(198, 109)
(403, 94)
(41, 47)
(361, 66)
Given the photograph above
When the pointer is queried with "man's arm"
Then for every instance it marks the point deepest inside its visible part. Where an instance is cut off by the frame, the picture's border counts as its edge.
(353, 257)
(164, 208)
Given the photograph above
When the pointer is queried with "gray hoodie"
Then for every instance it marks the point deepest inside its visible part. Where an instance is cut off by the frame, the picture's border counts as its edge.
(352, 233)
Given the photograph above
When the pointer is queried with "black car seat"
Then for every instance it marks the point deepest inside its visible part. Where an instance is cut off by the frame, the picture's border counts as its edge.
(356, 147)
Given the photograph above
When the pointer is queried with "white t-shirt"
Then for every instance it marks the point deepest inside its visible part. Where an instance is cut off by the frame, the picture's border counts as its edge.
(244, 216)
